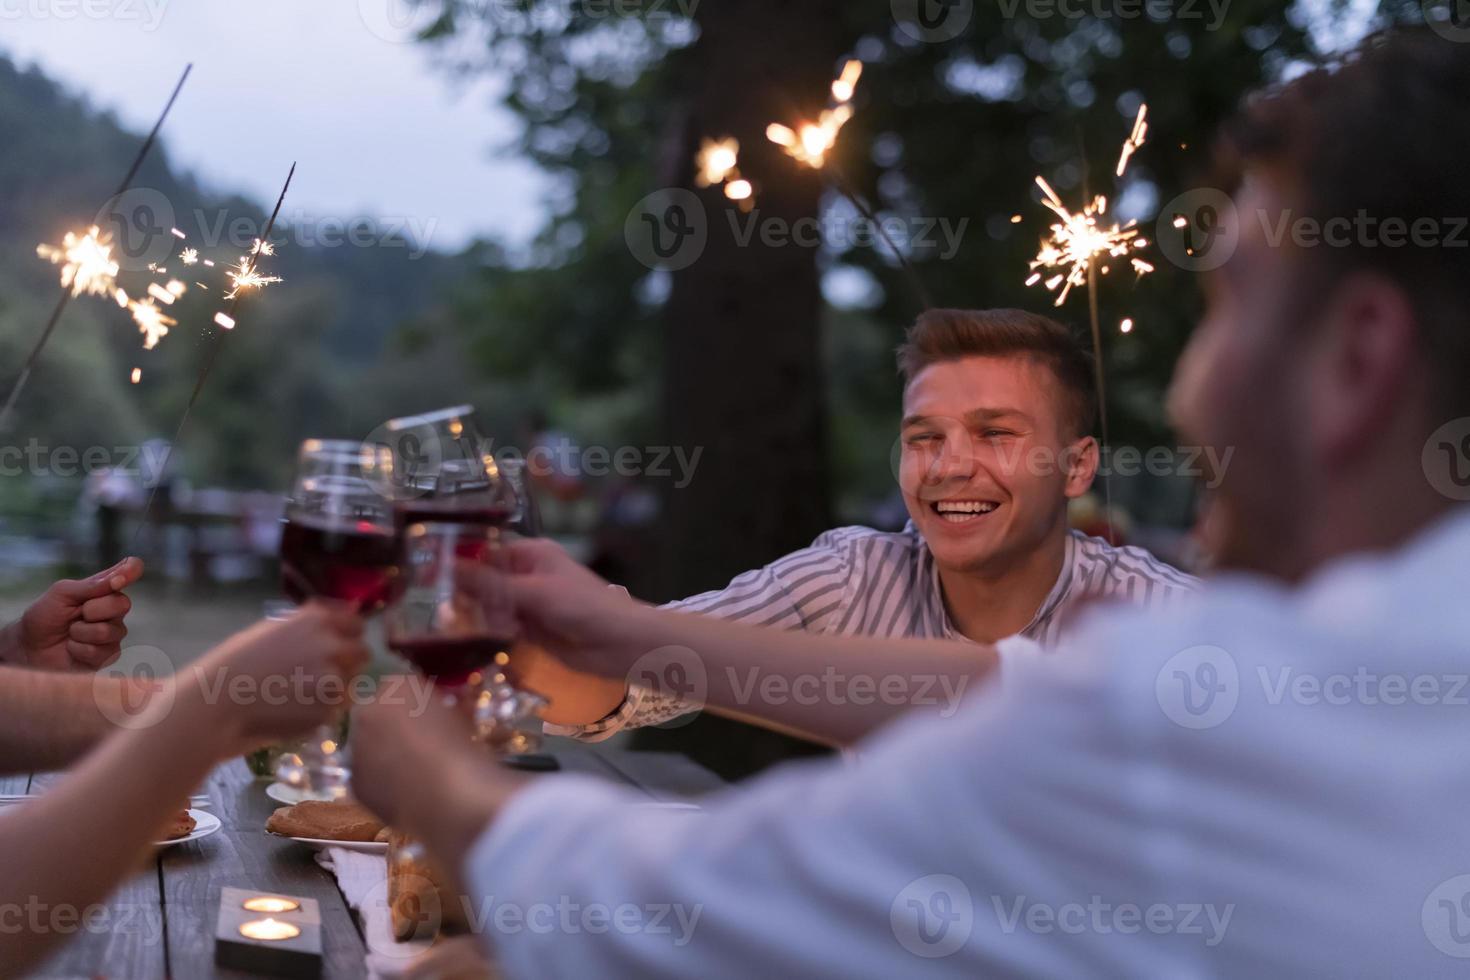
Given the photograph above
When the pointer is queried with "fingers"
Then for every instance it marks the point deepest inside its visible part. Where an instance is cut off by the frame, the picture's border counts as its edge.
(92, 656)
(341, 619)
(113, 606)
(98, 634)
(536, 555)
(113, 579)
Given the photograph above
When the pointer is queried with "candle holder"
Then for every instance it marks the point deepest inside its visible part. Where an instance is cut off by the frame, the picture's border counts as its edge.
(264, 932)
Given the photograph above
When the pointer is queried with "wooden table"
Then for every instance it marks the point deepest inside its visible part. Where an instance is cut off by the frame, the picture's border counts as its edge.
(161, 922)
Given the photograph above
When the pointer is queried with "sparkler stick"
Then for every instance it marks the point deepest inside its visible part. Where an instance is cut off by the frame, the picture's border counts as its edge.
(67, 291)
(920, 291)
(1077, 243)
(225, 319)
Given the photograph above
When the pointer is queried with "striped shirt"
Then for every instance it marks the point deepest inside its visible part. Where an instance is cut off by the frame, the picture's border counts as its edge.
(855, 581)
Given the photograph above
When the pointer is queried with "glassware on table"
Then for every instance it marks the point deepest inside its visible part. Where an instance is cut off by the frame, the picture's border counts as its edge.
(337, 542)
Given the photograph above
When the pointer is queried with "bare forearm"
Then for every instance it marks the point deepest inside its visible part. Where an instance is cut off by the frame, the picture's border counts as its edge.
(827, 688)
(48, 720)
(113, 806)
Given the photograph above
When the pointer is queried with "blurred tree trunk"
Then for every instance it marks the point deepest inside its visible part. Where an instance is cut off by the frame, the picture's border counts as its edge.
(750, 312)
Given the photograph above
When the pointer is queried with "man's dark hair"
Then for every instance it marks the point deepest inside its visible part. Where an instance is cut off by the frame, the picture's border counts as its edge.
(1384, 134)
(949, 335)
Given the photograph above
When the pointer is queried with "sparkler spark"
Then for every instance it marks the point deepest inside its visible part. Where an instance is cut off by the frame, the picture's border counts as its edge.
(739, 190)
(262, 248)
(137, 375)
(189, 256)
(246, 277)
(1082, 237)
(717, 161)
(811, 142)
(86, 263)
(151, 321)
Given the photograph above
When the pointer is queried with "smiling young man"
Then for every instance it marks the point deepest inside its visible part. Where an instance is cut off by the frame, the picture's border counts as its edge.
(996, 438)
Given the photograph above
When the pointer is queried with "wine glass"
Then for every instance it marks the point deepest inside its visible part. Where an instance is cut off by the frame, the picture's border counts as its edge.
(337, 542)
(450, 488)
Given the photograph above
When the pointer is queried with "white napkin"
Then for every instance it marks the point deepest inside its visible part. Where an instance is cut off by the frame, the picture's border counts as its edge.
(363, 879)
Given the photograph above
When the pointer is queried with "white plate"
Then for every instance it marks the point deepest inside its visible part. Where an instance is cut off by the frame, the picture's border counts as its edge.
(204, 825)
(362, 846)
(290, 795)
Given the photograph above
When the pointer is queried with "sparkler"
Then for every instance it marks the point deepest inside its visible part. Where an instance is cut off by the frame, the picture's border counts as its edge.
(225, 319)
(68, 287)
(811, 144)
(86, 262)
(1069, 257)
(246, 277)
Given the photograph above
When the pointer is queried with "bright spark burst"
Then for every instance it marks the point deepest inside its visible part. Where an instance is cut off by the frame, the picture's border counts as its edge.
(189, 256)
(1082, 237)
(739, 190)
(151, 321)
(247, 277)
(262, 248)
(811, 142)
(86, 263)
(717, 161)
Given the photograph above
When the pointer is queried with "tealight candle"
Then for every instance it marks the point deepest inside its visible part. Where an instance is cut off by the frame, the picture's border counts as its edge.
(269, 930)
(268, 903)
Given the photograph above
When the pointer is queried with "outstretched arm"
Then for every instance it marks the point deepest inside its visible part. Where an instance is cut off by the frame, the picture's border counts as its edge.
(70, 848)
(49, 720)
(826, 688)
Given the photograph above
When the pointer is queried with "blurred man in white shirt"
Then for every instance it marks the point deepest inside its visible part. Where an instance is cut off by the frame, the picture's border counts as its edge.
(1270, 782)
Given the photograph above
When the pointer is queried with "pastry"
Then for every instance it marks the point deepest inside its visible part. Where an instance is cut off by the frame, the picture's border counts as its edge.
(344, 820)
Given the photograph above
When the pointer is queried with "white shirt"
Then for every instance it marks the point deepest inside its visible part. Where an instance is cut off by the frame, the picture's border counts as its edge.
(855, 581)
(1273, 782)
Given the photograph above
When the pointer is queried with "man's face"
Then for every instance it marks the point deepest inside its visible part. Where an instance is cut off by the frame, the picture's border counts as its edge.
(1238, 388)
(989, 460)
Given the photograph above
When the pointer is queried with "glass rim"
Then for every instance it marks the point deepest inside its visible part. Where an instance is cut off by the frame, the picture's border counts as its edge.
(429, 418)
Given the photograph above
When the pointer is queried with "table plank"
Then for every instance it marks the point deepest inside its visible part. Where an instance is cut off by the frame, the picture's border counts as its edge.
(121, 936)
(666, 776)
(242, 855)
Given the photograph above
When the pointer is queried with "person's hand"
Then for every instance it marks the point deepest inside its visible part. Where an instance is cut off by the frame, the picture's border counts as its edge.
(559, 605)
(415, 766)
(76, 624)
(279, 679)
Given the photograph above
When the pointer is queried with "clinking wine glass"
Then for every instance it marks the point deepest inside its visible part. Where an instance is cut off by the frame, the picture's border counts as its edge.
(451, 493)
(337, 543)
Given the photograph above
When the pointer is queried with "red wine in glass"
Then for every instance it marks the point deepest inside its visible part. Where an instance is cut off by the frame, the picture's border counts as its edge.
(354, 561)
(449, 661)
(449, 510)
